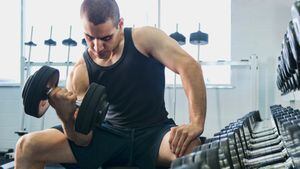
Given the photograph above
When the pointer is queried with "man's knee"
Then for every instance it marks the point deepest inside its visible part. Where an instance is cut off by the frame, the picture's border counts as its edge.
(26, 146)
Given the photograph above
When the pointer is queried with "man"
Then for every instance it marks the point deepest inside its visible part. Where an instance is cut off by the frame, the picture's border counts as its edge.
(130, 64)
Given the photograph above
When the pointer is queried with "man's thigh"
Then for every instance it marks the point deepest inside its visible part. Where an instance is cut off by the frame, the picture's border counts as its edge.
(107, 145)
(147, 143)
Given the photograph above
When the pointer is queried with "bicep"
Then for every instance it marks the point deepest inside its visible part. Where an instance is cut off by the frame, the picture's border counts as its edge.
(77, 81)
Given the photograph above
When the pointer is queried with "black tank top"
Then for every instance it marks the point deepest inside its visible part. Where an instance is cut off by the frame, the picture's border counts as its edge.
(135, 87)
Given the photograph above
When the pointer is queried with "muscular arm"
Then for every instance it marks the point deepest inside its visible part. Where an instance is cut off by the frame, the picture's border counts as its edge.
(159, 45)
(77, 83)
(156, 43)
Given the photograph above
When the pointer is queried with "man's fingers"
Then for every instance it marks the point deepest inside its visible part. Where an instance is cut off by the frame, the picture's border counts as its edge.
(185, 145)
(176, 140)
(180, 143)
(172, 134)
(54, 92)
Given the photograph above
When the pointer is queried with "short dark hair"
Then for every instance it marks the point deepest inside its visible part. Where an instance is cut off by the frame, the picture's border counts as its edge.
(99, 11)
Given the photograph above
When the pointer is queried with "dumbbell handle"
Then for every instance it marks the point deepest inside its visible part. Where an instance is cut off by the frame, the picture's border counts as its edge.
(287, 164)
(77, 103)
(265, 144)
(263, 139)
(266, 150)
(268, 159)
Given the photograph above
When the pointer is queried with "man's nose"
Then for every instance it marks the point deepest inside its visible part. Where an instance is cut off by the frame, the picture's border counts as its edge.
(98, 45)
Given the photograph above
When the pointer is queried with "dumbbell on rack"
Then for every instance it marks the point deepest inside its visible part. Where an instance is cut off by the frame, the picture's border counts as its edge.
(247, 143)
(35, 94)
(253, 153)
(287, 121)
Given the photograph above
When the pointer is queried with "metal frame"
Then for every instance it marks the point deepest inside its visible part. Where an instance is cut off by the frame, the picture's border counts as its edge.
(22, 59)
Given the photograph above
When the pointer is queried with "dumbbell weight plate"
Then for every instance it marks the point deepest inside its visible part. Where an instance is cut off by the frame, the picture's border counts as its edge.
(34, 93)
(212, 158)
(295, 10)
(92, 110)
(295, 48)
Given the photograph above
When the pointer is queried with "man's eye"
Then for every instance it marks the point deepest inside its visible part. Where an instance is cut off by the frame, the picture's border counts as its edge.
(90, 38)
(107, 39)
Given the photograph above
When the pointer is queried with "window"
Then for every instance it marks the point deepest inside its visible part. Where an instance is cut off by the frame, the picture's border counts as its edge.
(10, 16)
(213, 15)
(214, 19)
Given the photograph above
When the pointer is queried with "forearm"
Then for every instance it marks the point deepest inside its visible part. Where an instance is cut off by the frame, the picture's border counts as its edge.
(77, 138)
(194, 86)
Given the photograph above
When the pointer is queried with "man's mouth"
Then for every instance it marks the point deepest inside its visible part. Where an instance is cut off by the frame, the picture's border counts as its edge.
(104, 54)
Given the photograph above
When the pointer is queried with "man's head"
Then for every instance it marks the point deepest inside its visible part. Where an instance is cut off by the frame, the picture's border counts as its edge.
(99, 11)
(102, 26)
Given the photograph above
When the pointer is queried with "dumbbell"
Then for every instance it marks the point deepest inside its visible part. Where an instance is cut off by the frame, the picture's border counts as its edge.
(245, 137)
(264, 156)
(254, 134)
(236, 142)
(288, 55)
(294, 133)
(192, 166)
(294, 44)
(35, 94)
(295, 12)
(283, 66)
(228, 149)
(264, 159)
(284, 115)
(288, 125)
(242, 144)
(269, 150)
(281, 159)
(204, 159)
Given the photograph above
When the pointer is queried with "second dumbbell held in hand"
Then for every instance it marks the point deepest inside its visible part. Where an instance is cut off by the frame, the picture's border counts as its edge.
(40, 91)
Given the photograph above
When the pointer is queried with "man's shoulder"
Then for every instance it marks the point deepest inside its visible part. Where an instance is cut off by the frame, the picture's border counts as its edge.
(143, 31)
(78, 78)
(80, 61)
(144, 36)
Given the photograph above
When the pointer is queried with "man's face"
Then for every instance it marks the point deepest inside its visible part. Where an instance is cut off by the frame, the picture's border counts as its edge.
(102, 38)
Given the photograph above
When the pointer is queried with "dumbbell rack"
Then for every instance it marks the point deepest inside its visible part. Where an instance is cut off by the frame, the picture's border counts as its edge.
(251, 143)
(50, 64)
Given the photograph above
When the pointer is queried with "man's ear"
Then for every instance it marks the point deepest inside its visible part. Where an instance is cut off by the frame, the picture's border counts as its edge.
(121, 23)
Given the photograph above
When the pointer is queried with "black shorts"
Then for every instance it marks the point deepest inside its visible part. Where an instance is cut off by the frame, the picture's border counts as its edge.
(115, 146)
